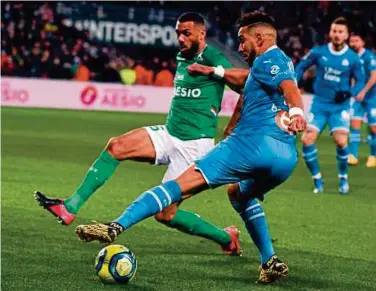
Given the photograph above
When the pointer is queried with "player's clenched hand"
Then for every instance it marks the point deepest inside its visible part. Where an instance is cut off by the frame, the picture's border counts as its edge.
(297, 123)
(200, 69)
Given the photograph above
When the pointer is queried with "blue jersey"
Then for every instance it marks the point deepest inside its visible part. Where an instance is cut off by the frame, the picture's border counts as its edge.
(262, 98)
(368, 60)
(334, 71)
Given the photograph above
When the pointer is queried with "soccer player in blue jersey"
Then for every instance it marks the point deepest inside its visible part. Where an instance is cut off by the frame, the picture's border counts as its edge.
(336, 65)
(257, 156)
(364, 103)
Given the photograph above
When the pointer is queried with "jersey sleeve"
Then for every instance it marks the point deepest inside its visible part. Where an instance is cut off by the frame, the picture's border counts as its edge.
(357, 72)
(216, 59)
(272, 72)
(371, 62)
(307, 61)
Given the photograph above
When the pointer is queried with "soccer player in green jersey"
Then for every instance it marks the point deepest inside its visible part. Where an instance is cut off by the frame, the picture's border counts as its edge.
(188, 134)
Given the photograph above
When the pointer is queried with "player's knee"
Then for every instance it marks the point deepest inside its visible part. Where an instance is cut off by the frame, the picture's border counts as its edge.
(356, 124)
(309, 137)
(341, 140)
(116, 147)
(372, 129)
(233, 192)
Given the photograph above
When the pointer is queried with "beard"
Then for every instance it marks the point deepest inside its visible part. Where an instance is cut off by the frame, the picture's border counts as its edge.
(251, 58)
(337, 44)
(190, 53)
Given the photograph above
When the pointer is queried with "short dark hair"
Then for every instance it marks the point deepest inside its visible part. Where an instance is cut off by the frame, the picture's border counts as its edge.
(358, 33)
(341, 21)
(192, 16)
(255, 17)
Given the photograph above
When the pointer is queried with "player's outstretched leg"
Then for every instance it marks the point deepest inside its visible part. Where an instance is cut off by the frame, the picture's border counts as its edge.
(311, 158)
(340, 137)
(191, 223)
(147, 204)
(133, 145)
(371, 162)
(253, 215)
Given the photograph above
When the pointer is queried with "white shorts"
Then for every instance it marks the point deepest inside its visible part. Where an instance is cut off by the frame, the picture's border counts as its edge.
(177, 154)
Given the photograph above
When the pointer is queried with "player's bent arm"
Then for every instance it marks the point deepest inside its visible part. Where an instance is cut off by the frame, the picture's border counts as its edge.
(358, 74)
(306, 62)
(371, 82)
(295, 103)
(234, 118)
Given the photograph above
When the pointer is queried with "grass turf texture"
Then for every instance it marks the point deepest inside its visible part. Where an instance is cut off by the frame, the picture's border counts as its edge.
(327, 240)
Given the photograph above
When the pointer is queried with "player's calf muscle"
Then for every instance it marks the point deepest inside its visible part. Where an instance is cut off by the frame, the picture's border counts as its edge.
(166, 214)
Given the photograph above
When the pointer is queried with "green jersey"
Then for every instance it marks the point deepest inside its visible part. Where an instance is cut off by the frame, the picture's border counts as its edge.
(197, 99)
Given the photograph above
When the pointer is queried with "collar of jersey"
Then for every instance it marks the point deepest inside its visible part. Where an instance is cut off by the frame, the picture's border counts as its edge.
(201, 52)
(269, 49)
(341, 52)
(362, 52)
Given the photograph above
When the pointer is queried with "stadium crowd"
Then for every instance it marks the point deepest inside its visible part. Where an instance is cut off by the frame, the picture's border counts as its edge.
(36, 43)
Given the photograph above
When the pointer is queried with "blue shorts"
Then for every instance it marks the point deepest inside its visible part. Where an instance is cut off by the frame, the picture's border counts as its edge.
(337, 116)
(258, 163)
(365, 108)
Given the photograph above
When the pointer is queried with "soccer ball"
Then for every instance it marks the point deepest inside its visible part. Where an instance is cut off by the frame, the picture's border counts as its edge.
(115, 264)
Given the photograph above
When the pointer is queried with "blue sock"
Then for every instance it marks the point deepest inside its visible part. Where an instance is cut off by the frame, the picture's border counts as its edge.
(372, 144)
(342, 155)
(310, 157)
(150, 203)
(354, 141)
(254, 218)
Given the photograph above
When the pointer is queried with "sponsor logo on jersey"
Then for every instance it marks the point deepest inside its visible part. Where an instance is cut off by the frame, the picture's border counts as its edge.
(274, 70)
(332, 74)
(324, 58)
(345, 63)
(187, 92)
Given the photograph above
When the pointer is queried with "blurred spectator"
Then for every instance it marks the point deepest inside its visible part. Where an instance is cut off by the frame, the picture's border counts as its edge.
(127, 73)
(229, 41)
(82, 72)
(37, 42)
(164, 77)
(141, 74)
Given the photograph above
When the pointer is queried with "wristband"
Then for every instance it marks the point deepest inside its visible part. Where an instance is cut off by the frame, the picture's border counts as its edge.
(296, 111)
(219, 72)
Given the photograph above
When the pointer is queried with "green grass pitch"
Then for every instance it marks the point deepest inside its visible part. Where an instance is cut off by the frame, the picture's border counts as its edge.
(327, 240)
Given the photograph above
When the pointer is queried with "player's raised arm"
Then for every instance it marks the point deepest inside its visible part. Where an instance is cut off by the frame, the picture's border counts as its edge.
(294, 101)
(307, 61)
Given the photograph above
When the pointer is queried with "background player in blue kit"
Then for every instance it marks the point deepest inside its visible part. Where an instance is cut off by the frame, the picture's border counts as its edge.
(259, 155)
(336, 65)
(364, 103)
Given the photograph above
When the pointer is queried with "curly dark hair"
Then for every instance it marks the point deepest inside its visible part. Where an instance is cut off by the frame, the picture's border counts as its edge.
(255, 17)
